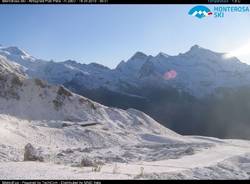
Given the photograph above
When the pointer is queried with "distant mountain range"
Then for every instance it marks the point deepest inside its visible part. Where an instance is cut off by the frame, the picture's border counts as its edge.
(47, 131)
(197, 92)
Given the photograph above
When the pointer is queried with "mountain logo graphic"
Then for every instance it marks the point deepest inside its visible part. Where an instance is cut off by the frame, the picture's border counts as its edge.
(200, 11)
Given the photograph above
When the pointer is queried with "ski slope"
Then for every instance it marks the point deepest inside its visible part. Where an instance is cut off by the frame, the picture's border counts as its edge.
(211, 157)
(211, 153)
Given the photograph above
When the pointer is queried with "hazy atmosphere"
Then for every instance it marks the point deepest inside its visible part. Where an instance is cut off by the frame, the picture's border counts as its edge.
(107, 34)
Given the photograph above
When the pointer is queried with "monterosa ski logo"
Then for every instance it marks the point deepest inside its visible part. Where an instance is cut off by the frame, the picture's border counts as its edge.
(218, 11)
(200, 12)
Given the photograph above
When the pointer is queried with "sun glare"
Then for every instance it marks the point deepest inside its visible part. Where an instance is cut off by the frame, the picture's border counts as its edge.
(241, 51)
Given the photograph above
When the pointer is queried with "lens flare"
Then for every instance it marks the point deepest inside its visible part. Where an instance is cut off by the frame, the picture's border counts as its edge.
(171, 74)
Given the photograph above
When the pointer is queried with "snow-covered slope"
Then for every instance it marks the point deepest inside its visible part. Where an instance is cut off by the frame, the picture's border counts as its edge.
(68, 128)
(36, 100)
(7, 67)
(31, 102)
(19, 56)
(74, 136)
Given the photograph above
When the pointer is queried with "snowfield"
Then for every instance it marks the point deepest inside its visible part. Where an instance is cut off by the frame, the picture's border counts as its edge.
(138, 156)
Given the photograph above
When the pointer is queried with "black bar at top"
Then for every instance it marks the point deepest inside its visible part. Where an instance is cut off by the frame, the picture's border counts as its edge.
(125, 2)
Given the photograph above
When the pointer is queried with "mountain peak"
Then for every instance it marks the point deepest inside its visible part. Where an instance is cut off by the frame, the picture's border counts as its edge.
(69, 61)
(162, 54)
(121, 64)
(139, 55)
(195, 47)
(9, 67)
(97, 65)
(197, 50)
(15, 51)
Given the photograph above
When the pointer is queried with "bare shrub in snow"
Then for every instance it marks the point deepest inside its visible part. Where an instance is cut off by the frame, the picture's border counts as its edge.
(141, 171)
(97, 168)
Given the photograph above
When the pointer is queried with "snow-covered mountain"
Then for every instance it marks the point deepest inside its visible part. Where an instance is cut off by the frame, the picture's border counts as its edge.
(7, 67)
(45, 105)
(31, 104)
(199, 71)
(171, 89)
(49, 132)
(35, 99)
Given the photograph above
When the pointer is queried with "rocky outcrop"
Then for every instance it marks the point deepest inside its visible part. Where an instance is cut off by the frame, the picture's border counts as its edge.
(32, 154)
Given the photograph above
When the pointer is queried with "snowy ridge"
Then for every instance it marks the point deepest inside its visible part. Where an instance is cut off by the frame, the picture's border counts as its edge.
(37, 100)
(9, 67)
(199, 71)
(74, 135)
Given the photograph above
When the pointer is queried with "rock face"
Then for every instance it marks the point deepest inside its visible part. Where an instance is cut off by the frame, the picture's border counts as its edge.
(32, 154)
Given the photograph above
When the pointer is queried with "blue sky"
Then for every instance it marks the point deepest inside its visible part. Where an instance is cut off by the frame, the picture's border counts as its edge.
(107, 34)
